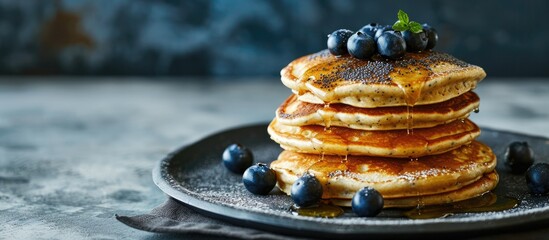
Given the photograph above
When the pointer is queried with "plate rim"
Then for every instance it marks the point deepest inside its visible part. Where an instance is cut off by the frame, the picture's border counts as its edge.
(301, 227)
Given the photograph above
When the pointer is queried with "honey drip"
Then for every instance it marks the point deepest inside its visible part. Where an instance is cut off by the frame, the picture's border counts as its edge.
(410, 79)
(484, 203)
(488, 202)
(410, 120)
(327, 113)
(320, 210)
(420, 203)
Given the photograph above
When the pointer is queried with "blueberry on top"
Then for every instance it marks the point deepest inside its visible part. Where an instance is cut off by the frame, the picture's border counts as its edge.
(370, 29)
(391, 45)
(519, 156)
(361, 45)
(259, 179)
(367, 202)
(337, 41)
(537, 178)
(415, 42)
(381, 29)
(432, 36)
(237, 158)
(306, 190)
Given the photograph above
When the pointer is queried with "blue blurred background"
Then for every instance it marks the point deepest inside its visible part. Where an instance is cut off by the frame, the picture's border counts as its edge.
(242, 38)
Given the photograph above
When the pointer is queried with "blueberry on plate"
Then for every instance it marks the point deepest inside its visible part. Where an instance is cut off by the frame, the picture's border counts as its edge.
(391, 45)
(537, 178)
(259, 179)
(432, 36)
(370, 29)
(306, 190)
(237, 158)
(361, 45)
(337, 41)
(519, 157)
(367, 202)
(381, 29)
(415, 42)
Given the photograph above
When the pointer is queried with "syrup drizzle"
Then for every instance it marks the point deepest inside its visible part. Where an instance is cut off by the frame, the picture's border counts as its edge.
(488, 202)
(410, 120)
(410, 78)
(327, 113)
(320, 210)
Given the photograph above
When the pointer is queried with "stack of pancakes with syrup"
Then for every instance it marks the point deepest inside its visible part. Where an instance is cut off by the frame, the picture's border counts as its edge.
(399, 126)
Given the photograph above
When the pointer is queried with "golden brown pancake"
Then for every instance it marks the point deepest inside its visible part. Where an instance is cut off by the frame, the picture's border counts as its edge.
(416, 79)
(390, 143)
(297, 113)
(393, 178)
(488, 182)
(399, 126)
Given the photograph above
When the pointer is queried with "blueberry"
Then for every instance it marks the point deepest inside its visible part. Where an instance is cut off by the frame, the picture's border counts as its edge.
(237, 158)
(337, 41)
(367, 202)
(381, 29)
(391, 45)
(361, 45)
(306, 190)
(432, 36)
(370, 29)
(415, 42)
(537, 178)
(519, 156)
(259, 179)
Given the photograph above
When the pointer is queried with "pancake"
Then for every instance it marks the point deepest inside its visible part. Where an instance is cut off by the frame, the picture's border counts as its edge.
(297, 113)
(393, 178)
(488, 182)
(390, 143)
(417, 79)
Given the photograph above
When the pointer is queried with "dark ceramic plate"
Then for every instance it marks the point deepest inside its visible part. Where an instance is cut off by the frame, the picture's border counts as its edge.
(195, 176)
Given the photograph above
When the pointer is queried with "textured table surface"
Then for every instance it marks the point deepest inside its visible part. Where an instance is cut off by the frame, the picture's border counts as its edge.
(74, 152)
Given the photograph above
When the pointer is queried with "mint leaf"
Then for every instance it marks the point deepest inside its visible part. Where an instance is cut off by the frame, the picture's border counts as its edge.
(400, 26)
(415, 27)
(404, 23)
(403, 17)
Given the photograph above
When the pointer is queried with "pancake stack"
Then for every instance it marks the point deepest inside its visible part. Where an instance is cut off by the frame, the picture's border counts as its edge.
(399, 126)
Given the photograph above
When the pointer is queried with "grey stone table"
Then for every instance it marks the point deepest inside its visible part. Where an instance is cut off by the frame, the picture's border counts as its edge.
(75, 151)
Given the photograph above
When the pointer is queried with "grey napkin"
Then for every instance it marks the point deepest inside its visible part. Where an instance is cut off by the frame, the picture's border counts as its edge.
(174, 217)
